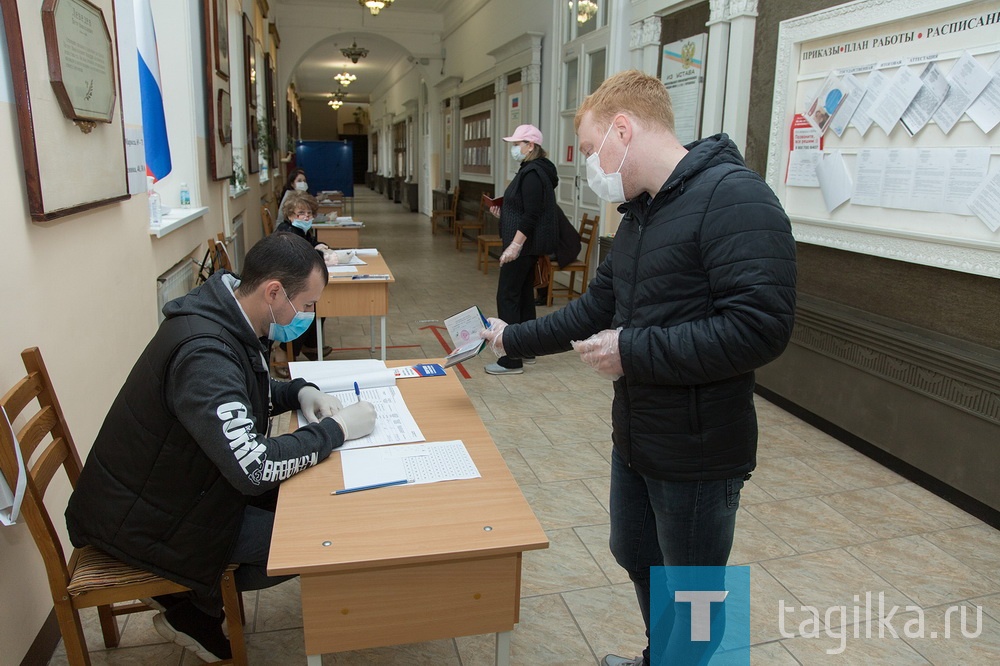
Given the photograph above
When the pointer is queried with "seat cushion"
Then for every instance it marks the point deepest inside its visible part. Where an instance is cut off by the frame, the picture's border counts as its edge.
(96, 569)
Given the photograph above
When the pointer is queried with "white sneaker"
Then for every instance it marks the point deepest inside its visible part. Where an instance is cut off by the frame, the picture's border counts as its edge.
(615, 660)
(497, 369)
(528, 361)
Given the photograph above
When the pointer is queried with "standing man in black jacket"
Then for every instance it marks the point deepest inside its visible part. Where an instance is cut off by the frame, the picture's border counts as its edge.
(183, 475)
(697, 292)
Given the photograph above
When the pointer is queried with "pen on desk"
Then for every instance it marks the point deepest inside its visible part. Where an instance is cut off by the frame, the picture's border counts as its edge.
(371, 487)
(370, 277)
(357, 390)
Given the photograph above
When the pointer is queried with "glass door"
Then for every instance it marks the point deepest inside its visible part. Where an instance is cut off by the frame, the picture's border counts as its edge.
(583, 69)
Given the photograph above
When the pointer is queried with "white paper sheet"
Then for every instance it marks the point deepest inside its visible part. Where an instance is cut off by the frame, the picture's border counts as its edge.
(465, 326)
(393, 422)
(967, 169)
(874, 85)
(868, 173)
(834, 180)
(854, 93)
(897, 182)
(933, 90)
(417, 463)
(802, 168)
(895, 97)
(341, 270)
(967, 79)
(985, 202)
(929, 179)
(985, 111)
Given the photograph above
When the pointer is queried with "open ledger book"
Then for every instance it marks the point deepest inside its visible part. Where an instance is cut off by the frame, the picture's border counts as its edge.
(464, 329)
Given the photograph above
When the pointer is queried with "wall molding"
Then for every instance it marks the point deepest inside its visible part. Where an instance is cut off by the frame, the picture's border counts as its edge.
(961, 375)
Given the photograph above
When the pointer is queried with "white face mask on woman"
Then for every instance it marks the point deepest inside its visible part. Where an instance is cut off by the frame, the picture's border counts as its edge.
(607, 186)
(302, 186)
(515, 152)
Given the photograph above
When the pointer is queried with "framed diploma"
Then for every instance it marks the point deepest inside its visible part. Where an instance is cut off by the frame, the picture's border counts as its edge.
(220, 43)
(68, 106)
(218, 105)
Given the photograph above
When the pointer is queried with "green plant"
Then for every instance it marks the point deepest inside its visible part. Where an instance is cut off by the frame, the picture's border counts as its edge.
(238, 179)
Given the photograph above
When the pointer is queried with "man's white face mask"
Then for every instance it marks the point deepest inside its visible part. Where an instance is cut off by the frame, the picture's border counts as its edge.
(606, 186)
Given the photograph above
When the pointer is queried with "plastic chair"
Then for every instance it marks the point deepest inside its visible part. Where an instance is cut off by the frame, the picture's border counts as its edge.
(588, 232)
(450, 214)
(90, 577)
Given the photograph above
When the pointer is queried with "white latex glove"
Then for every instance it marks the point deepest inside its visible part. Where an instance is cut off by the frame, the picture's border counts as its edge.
(356, 420)
(600, 351)
(317, 405)
(512, 252)
(345, 256)
(330, 258)
(494, 335)
(495, 211)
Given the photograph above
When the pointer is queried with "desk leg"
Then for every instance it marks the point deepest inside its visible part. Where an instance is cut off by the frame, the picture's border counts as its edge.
(371, 332)
(383, 337)
(319, 337)
(503, 648)
(314, 660)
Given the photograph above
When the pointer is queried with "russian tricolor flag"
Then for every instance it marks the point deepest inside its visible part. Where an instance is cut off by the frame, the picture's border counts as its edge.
(154, 121)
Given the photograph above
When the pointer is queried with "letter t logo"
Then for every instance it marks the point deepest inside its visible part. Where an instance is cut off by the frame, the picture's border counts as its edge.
(701, 606)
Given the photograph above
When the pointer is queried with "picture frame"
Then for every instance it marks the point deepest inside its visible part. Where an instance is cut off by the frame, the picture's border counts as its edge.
(220, 42)
(225, 118)
(249, 64)
(862, 38)
(218, 104)
(52, 144)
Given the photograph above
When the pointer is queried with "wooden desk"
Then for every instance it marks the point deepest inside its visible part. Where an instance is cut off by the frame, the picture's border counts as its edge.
(345, 297)
(338, 237)
(408, 563)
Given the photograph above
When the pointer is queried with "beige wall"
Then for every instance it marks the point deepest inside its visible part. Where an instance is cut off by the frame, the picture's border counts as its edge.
(83, 289)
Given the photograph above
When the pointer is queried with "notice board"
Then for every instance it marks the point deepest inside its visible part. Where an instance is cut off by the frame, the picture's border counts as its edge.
(885, 130)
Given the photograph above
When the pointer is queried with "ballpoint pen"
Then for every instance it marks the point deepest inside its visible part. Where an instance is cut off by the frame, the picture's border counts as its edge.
(357, 390)
(370, 277)
(371, 487)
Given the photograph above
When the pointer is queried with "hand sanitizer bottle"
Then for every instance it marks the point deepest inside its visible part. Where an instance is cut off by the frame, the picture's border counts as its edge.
(185, 196)
(155, 212)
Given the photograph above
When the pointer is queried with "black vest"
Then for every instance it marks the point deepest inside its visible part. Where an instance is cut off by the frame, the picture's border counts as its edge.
(148, 494)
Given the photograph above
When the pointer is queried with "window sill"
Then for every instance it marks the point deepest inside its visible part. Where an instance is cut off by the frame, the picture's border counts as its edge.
(176, 219)
(236, 194)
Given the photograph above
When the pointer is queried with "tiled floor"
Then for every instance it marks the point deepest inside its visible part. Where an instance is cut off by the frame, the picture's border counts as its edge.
(820, 525)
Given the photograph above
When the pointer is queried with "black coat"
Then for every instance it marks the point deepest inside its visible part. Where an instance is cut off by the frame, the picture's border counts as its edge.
(701, 278)
(529, 206)
(184, 447)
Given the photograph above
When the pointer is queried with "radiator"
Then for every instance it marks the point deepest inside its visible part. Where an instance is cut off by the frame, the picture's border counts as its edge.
(174, 283)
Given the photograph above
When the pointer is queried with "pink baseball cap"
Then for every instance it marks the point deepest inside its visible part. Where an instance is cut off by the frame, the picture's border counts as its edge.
(526, 133)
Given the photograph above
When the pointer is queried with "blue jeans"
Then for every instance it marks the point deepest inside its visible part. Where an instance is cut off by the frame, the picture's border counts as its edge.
(668, 523)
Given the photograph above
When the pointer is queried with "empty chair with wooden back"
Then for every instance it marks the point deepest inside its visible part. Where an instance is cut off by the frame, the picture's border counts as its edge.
(449, 214)
(588, 231)
(89, 577)
(461, 225)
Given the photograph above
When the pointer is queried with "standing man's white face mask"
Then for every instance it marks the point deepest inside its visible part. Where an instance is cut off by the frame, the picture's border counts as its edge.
(607, 186)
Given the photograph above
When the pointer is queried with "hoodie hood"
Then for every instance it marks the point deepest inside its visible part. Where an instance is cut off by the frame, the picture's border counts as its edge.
(214, 300)
(545, 167)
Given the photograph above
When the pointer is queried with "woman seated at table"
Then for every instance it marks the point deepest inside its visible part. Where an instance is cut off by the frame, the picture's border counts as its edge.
(296, 183)
(299, 210)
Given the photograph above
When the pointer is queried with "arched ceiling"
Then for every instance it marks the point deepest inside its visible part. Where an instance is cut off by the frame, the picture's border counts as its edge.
(314, 74)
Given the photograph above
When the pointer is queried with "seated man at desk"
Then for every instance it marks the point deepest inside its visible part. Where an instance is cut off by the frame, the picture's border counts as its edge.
(182, 478)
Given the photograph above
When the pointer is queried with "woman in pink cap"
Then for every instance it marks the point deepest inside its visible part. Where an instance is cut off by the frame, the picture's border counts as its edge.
(528, 230)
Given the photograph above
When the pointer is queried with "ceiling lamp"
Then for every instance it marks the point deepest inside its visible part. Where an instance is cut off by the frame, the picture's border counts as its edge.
(355, 52)
(586, 10)
(345, 78)
(375, 6)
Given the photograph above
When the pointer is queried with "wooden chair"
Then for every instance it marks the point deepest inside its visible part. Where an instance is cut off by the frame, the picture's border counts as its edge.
(450, 214)
(485, 242)
(461, 225)
(588, 232)
(267, 220)
(90, 578)
(219, 254)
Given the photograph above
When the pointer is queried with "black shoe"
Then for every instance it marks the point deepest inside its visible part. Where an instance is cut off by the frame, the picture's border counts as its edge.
(194, 630)
(164, 602)
(310, 352)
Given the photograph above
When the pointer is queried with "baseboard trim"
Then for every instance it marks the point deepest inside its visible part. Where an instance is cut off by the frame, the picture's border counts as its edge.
(967, 503)
(45, 643)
